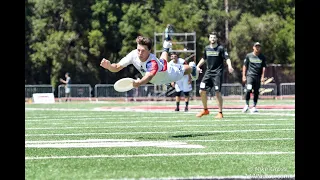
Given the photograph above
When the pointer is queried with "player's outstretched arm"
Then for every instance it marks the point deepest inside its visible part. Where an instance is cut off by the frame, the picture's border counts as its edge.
(63, 81)
(144, 80)
(111, 67)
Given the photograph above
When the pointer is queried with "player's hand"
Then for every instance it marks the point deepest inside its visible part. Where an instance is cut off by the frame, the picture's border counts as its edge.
(244, 79)
(199, 69)
(105, 63)
(136, 83)
(262, 80)
(230, 69)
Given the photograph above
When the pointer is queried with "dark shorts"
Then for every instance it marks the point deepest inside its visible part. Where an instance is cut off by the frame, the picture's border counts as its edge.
(255, 82)
(210, 81)
(179, 94)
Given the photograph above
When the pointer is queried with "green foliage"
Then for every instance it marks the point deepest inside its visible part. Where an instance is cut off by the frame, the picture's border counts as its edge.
(134, 18)
(96, 41)
(266, 29)
(73, 35)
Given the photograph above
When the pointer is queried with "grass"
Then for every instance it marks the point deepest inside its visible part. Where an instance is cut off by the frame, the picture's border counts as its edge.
(77, 141)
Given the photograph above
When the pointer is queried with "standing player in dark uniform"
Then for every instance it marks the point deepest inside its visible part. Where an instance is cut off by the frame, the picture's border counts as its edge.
(214, 56)
(253, 74)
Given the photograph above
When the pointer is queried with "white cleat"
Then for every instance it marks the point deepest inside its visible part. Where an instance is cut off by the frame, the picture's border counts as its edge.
(167, 44)
(253, 110)
(245, 109)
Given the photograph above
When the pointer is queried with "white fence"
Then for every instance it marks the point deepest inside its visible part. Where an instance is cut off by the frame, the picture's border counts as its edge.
(149, 91)
(30, 89)
(287, 89)
(76, 91)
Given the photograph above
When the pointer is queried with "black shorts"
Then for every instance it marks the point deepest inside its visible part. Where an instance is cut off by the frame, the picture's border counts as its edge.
(255, 82)
(211, 80)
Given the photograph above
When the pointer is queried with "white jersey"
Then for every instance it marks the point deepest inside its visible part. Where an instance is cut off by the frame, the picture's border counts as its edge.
(163, 73)
(67, 87)
(183, 83)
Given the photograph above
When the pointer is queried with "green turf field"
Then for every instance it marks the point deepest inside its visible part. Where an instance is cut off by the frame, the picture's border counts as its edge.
(81, 141)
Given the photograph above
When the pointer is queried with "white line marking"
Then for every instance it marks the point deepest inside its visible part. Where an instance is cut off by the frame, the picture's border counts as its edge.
(88, 144)
(164, 132)
(147, 115)
(81, 141)
(239, 177)
(159, 155)
(124, 109)
(123, 116)
(171, 126)
(104, 120)
(134, 140)
(232, 140)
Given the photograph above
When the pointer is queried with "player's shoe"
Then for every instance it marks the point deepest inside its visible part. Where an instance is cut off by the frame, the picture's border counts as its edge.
(203, 112)
(169, 29)
(195, 71)
(254, 110)
(219, 115)
(167, 44)
(245, 109)
(185, 109)
(177, 109)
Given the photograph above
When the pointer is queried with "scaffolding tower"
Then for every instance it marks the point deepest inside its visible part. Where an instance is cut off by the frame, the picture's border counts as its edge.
(182, 43)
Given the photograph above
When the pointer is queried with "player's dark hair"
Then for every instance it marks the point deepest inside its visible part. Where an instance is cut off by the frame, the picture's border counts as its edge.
(144, 41)
(213, 33)
(174, 53)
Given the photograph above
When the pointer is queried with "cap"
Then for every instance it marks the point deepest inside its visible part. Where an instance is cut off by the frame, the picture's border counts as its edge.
(256, 44)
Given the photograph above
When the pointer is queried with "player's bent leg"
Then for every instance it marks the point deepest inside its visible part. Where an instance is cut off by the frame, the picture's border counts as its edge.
(167, 45)
(165, 54)
(169, 29)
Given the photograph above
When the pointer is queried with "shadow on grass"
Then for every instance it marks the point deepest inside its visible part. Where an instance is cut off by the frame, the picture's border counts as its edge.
(193, 135)
(178, 136)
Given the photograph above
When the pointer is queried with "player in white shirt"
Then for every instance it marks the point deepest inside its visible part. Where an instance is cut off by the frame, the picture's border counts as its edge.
(154, 70)
(67, 87)
(182, 85)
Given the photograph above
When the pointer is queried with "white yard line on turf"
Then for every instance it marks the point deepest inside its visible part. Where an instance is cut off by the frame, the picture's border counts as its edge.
(159, 155)
(164, 132)
(239, 177)
(134, 140)
(160, 126)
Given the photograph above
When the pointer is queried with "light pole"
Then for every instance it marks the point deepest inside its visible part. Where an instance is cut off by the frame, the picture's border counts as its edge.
(226, 21)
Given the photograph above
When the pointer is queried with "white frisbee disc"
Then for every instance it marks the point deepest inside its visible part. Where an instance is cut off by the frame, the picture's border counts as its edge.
(124, 84)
